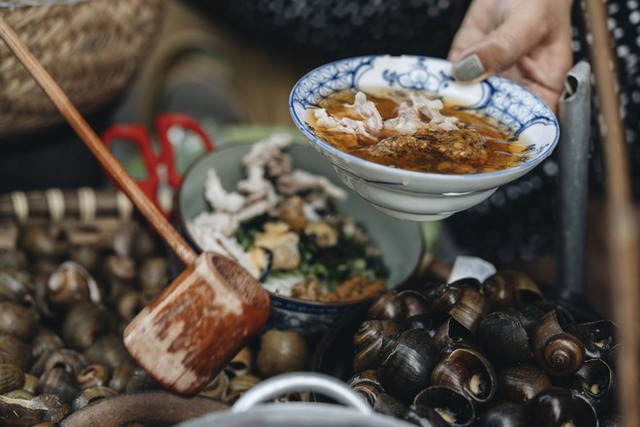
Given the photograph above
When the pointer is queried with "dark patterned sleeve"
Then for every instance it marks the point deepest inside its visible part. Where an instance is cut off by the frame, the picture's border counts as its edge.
(324, 30)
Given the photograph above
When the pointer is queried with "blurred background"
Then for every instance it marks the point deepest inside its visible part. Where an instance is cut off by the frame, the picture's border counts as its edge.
(231, 66)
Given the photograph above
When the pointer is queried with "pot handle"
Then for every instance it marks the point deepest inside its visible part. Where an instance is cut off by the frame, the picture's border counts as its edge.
(297, 381)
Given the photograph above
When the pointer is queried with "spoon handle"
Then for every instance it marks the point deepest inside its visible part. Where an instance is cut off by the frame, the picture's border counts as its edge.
(104, 156)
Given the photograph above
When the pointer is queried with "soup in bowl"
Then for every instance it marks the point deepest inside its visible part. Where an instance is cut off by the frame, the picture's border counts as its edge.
(413, 142)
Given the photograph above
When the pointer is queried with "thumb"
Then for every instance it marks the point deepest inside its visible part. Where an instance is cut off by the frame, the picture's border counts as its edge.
(500, 49)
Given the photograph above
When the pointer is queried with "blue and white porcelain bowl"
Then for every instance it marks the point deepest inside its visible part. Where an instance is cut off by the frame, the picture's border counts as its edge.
(420, 196)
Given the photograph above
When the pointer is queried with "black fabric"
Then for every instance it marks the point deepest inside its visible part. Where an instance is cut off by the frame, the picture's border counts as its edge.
(323, 30)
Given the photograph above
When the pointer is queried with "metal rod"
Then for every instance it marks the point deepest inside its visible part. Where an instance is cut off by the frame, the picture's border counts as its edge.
(575, 117)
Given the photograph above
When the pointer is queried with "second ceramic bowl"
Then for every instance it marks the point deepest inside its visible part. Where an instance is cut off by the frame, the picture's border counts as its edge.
(400, 242)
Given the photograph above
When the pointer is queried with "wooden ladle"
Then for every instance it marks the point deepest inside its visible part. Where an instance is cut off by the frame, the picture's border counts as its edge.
(191, 331)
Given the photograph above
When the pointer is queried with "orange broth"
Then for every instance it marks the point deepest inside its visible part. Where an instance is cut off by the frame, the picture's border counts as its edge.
(504, 151)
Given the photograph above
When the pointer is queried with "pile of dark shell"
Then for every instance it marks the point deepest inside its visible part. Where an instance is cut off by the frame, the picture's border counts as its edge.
(63, 307)
(491, 353)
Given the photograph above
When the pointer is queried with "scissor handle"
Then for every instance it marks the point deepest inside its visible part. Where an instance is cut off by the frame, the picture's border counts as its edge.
(139, 136)
(164, 122)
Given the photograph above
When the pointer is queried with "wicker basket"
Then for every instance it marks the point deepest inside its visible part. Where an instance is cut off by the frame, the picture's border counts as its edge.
(91, 48)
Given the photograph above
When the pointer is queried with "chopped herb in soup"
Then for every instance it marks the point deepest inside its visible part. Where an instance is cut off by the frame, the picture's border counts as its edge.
(407, 130)
(283, 225)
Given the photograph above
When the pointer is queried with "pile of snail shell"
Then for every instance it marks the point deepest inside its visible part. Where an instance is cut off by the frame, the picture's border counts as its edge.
(63, 308)
(491, 353)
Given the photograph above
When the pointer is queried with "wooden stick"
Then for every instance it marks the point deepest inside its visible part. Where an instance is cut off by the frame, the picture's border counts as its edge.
(104, 156)
(622, 228)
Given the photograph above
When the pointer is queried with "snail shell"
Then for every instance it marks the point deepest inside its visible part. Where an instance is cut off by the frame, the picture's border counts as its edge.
(241, 364)
(397, 306)
(387, 306)
(504, 338)
(556, 351)
(17, 349)
(507, 287)
(599, 338)
(521, 383)
(463, 301)
(154, 276)
(43, 268)
(561, 407)
(45, 342)
(15, 286)
(389, 405)
(468, 372)
(144, 244)
(40, 242)
(129, 304)
(119, 274)
(85, 256)
(69, 285)
(366, 384)
(84, 323)
(424, 416)
(60, 382)
(40, 409)
(120, 377)
(453, 407)
(90, 395)
(92, 376)
(419, 321)
(11, 374)
(595, 381)
(414, 303)
(30, 383)
(406, 364)
(369, 340)
(120, 267)
(108, 350)
(140, 380)
(529, 315)
(13, 259)
(18, 320)
(450, 334)
(505, 414)
(217, 388)
(280, 352)
(66, 358)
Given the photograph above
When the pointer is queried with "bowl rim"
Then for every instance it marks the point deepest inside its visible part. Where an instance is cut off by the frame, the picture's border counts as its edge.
(375, 168)
(181, 220)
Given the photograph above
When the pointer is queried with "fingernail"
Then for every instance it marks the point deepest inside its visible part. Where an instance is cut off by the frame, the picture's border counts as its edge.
(469, 69)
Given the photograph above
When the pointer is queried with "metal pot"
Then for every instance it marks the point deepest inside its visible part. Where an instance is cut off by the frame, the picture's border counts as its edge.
(248, 412)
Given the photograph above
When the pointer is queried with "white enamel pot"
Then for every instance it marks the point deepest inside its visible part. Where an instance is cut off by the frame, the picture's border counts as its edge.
(252, 411)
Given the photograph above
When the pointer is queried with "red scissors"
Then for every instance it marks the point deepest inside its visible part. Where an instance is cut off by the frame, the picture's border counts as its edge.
(158, 171)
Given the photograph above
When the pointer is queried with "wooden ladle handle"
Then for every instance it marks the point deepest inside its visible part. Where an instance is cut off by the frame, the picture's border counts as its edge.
(104, 156)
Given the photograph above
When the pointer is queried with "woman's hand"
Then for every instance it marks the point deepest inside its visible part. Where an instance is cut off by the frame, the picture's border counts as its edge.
(528, 41)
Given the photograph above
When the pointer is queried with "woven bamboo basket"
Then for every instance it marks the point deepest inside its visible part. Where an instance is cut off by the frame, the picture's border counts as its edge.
(91, 48)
